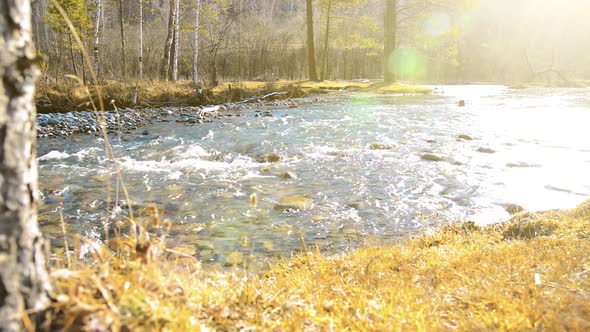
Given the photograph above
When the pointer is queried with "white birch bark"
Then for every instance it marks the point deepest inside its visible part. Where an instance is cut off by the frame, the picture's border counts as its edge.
(24, 281)
(196, 45)
(96, 37)
(176, 35)
(140, 40)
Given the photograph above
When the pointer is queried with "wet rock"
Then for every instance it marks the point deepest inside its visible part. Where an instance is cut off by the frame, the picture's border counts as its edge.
(145, 132)
(269, 158)
(461, 103)
(485, 150)
(380, 146)
(465, 137)
(286, 175)
(430, 141)
(521, 165)
(513, 208)
(432, 157)
(294, 203)
(233, 259)
(357, 205)
(563, 190)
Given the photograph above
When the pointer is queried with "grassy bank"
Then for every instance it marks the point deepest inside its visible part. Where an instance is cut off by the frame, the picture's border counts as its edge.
(71, 96)
(530, 273)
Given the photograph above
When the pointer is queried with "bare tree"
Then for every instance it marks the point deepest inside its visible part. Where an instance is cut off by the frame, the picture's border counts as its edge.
(168, 45)
(390, 38)
(196, 45)
(176, 36)
(313, 75)
(140, 40)
(96, 34)
(326, 39)
(122, 28)
(24, 282)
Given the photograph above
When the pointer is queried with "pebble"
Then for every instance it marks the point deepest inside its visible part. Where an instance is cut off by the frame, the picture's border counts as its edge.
(52, 125)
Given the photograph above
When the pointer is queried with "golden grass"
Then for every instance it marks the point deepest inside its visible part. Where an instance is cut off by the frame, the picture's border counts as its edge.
(399, 88)
(72, 96)
(528, 274)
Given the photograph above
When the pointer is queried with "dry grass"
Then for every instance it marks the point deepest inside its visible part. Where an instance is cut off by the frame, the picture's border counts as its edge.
(530, 273)
(71, 96)
(398, 88)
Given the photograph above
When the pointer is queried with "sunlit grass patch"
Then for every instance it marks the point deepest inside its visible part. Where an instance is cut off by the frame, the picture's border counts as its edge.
(461, 277)
(399, 88)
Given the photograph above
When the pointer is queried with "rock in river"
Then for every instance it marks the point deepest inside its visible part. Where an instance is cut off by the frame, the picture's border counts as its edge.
(512, 208)
(485, 150)
(294, 203)
(269, 158)
(432, 157)
(465, 137)
(380, 146)
(286, 175)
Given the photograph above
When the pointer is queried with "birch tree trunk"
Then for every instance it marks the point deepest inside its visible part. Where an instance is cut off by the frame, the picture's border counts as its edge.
(313, 75)
(196, 45)
(176, 35)
(390, 38)
(24, 282)
(168, 44)
(140, 40)
(96, 34)
(122, 28)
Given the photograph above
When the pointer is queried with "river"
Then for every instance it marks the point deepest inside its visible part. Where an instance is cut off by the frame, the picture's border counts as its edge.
(360, 158)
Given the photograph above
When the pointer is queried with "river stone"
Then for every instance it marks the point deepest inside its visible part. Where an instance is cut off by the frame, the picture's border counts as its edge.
(294, 203)
(234, 258)
(355, 205)
(513, 208)
(465, 137)
(380, 146)
(521, 165)
(485, 150)
(269, 158)
(286, 175)
(432, 157)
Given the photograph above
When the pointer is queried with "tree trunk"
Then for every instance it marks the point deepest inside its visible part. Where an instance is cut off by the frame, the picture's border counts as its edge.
(326, 39)
(176, 35)
(196, 45)
(390, 39)
(140, 40)
(168, 44)
(72, 55)
(96, 34)
(122, 28)
(24, 282)
(313, 75)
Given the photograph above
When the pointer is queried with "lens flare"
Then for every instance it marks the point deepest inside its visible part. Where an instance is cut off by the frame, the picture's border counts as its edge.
(407, 62)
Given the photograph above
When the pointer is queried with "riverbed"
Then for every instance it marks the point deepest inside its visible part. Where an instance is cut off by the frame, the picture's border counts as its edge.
(372, 169)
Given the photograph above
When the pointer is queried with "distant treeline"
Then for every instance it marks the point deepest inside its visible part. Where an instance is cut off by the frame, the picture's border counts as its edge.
(267, 40)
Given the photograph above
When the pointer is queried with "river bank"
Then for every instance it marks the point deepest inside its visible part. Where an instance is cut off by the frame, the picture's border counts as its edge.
(72, 96)
(65, 110)
(529, 273)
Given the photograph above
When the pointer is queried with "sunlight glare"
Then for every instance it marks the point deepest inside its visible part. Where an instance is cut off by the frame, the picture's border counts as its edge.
(407, 62)
(437, 24)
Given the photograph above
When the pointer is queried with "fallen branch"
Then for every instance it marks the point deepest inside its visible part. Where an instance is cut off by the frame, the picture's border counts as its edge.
(260, 97)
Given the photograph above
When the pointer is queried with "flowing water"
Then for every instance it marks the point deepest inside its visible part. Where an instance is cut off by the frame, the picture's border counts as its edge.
(358, 158)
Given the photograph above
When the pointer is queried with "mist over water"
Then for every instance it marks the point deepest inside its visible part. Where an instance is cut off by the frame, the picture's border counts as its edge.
(360, 159)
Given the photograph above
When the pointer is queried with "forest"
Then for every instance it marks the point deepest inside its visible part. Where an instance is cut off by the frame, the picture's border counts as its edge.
(209, 41)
